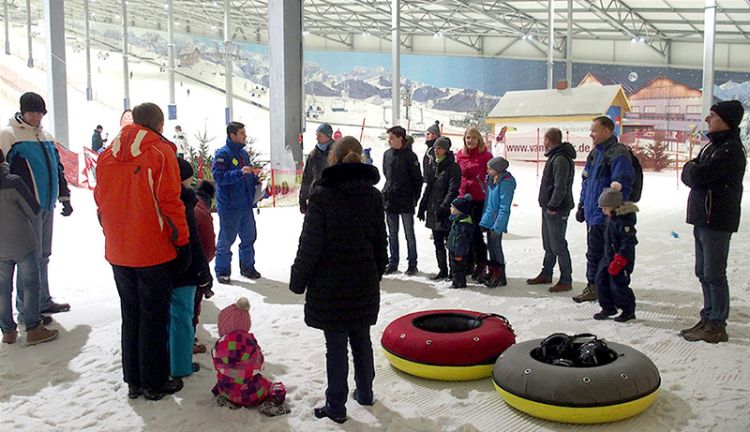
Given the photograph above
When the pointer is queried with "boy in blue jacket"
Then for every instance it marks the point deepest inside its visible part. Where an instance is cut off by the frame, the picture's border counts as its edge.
(459, 238)
(500, 188)
(616, 266)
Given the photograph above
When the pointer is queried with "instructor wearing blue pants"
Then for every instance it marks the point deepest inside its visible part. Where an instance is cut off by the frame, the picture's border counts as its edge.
(235, 192)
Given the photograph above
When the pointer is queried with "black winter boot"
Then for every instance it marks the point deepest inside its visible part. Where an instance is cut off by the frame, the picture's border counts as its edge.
(479, 271)
(502, 281)
(485, 278)
(459, 280)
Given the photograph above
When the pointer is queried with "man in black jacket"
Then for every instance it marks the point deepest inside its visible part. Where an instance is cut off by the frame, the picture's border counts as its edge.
(556, 201)
(97, 142)
(403, 184)
(316, 162)
(715, 182)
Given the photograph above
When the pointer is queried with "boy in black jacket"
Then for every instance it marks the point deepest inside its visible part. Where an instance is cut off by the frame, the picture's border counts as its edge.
(459, 238)
(616, 266)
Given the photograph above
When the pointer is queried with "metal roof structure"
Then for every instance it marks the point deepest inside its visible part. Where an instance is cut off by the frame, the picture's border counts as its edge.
(655, 23)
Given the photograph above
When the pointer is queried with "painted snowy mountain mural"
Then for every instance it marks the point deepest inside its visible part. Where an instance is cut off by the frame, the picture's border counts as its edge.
(732, 90)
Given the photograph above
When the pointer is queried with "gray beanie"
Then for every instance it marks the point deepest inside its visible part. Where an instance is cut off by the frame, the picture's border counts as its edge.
(611, 198)
(498, 164)
(434, 128)
(325, 129)
(443, 142)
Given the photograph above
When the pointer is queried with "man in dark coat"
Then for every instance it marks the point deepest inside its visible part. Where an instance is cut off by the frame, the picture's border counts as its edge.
(403, 185)
(435, 207)
(556, 201)
(340, 262)
(714, 203)
(97, 142)
(316, 162)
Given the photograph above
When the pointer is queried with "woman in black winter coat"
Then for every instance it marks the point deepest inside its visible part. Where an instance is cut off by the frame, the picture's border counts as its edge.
(340, 261)
(435, 206)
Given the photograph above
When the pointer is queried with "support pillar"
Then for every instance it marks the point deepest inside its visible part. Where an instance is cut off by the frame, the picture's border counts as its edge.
(709, 39)
(228, 70)
(569, 47)
(57, 90)
(172, 108)
(396, 61)
(89, 91)
(7, 25)
(551, 44)
(30, 61)
(286, 90)
(125, 71)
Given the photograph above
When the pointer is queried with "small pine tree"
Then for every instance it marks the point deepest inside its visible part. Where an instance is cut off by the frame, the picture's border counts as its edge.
(202, 158)
(657, 155)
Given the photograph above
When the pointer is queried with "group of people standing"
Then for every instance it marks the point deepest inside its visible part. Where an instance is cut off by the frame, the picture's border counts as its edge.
(160, 245)
(342, 252)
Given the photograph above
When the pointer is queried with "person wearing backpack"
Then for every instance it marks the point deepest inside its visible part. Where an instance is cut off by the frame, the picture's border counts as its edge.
(608, 165)
(713, 208)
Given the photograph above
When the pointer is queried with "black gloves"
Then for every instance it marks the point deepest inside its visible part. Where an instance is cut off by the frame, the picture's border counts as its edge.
(443, 213)
(420, 215)
(184, 257)
(205, 283)
(579, 214)
(302, 208)
(67, 209)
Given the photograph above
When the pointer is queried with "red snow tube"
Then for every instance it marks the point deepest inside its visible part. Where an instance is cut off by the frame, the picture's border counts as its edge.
(448, 345)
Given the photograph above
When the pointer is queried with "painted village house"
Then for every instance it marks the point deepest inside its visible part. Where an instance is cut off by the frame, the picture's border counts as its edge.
(520, 119)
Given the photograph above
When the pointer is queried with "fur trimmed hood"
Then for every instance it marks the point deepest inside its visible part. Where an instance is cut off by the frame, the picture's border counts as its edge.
(626, 208)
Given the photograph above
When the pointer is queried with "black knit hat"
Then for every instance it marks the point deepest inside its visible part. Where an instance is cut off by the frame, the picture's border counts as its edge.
(463, 204)
(186, 170)
(206, 189)
(730, 111)
(32, 102)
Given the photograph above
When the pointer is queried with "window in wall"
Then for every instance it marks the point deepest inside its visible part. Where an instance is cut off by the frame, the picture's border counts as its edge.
(673, 109)
(694, 109)
(649, 109)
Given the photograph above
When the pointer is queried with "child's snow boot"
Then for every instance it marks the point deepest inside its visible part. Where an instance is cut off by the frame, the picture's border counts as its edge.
(270, 408)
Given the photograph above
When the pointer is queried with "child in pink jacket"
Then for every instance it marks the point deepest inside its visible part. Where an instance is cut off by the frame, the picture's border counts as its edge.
(238, 361)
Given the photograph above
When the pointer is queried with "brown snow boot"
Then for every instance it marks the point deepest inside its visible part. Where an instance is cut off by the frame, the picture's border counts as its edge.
(560, 287)
(10, 337)
(40, 334)
(698, 326)
(711, 333)
(541, 279)
(589, 294)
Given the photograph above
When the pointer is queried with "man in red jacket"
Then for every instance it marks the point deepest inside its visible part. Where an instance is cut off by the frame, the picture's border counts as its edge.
(146, 240)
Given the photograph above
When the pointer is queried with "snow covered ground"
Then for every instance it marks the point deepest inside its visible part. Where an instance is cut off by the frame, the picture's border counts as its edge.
(75, 383)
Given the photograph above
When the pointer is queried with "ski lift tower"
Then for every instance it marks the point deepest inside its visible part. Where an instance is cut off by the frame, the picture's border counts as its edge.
(406, 96)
